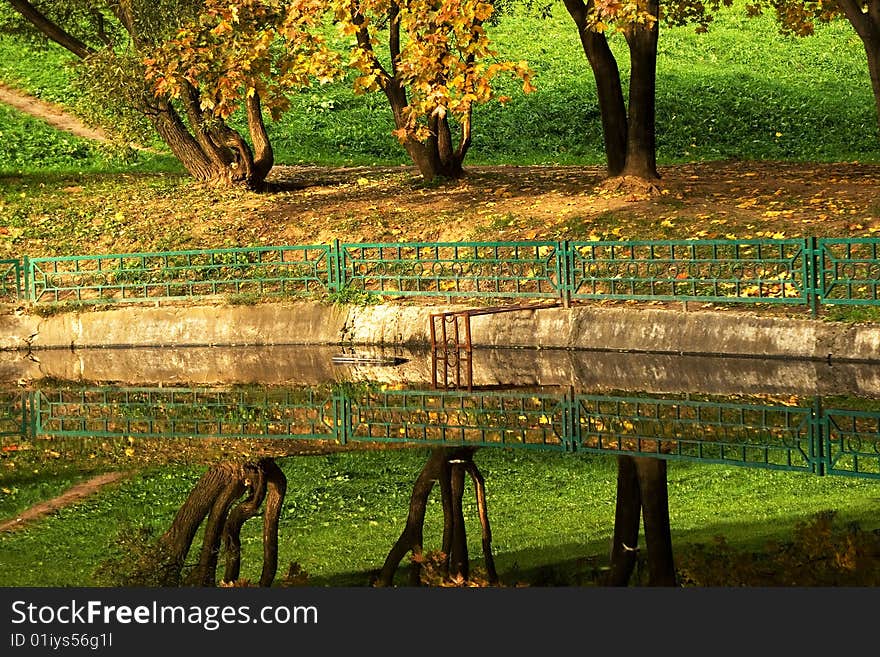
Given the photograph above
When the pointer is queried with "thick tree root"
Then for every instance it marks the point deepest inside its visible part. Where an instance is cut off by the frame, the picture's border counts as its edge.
(638, 188)
(213, 501)
(446, 466)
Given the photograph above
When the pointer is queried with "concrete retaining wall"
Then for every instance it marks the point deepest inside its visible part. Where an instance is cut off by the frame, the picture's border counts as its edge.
(583, 327)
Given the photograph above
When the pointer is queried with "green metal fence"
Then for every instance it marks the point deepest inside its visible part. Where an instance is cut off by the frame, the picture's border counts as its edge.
(804, 438)
(807, 272)
(851, 443)
(10, 281)
(849, 271)
(709, 271)
(454, 270)
(265, 271)
(14, 413)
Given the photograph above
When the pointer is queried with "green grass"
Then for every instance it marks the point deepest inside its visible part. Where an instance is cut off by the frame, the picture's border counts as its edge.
(343, 512)
(740, 91)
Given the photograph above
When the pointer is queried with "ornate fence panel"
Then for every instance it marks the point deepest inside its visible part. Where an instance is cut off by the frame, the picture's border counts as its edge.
(779, 437)
(698, 270)
(14, 416)
(186, 413)
(507, 419)
(10, 281)
(477, 269)
(851, 442)
(264, 271)
(849, 271)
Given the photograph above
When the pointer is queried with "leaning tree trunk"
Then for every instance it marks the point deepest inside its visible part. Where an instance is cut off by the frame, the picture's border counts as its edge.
(211, 502)
(608, 87)
(641, 146)
(209, 150)
(446, 467)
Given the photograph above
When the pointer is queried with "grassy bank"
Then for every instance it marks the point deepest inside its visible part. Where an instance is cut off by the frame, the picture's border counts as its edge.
(552, 515)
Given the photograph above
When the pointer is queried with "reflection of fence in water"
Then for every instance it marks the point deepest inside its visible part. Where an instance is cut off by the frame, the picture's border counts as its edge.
(13, 413)
(852, 440)
(800, 438)
(164, 412)
(768, 436)
(456, 418)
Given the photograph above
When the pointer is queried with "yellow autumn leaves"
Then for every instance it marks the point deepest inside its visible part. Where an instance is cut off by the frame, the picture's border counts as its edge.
(236, 49)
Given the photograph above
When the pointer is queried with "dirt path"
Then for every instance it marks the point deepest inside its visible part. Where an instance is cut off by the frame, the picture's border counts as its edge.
(48, 112)
(73, 494)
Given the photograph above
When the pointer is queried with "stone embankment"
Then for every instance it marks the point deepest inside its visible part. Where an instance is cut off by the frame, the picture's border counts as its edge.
(649, 330)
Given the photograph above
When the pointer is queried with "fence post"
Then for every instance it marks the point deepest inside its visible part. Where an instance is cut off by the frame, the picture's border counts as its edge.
(25, 288)
(563, 272)
(33, 412)
(342, 428)
(334, 274)
(818, 434)
(570, 421)
(812, 274)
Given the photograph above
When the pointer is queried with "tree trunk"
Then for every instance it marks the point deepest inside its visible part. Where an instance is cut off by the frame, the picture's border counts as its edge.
(446, 466)
(867, 26)
(871, 42)
(655, 512)
(412, 536)
(213, 498)
(627, 516)
(219, 155)
(608, 87)
(641, 146)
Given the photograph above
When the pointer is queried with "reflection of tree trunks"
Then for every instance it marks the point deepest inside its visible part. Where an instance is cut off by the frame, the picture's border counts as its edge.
(276, 484)
(446, 466)
(626, 522)
(458, 553)
(642, 489)
(655, 512)
(480, 490)
(213, 498)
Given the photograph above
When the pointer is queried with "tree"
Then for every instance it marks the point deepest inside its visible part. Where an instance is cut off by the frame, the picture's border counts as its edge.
(186, 66)
(432, 74)
(642, 494)
(799, 17)
(630, 128)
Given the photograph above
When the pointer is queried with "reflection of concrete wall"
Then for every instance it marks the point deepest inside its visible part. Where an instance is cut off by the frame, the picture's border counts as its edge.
(585, 371)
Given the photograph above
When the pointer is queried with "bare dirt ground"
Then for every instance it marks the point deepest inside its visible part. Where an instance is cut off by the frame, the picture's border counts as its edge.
(50, 113)
(70, 496)
(706, 200)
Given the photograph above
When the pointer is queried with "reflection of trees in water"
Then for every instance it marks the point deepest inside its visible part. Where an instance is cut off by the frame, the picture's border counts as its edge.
(641, 494)
(213, 502)
(447, 467)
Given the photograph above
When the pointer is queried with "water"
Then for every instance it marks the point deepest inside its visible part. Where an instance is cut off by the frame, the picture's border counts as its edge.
(140, 408)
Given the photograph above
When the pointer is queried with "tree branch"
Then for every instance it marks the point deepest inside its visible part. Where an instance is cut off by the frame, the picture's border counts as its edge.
(52, 30)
